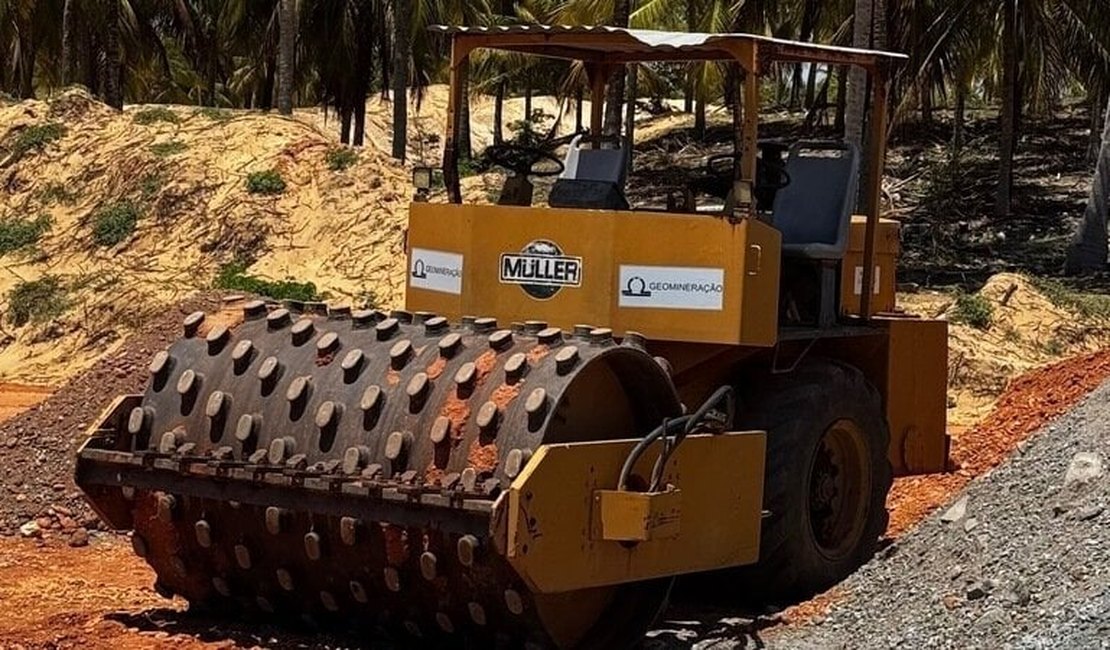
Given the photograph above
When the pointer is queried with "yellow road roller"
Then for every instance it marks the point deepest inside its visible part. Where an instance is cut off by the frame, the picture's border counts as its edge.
(580, 402)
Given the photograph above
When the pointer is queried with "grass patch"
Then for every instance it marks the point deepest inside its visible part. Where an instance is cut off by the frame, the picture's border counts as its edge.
(19, 232)
(167, 149)
(114, 223)
(1090, 306)
(152, 183)
(265, 182)
(36, 137)
(57, 193)
(974, 310)
(155, 114)
(37, 301)
(341, 158)
(215, 114)
(234, 277)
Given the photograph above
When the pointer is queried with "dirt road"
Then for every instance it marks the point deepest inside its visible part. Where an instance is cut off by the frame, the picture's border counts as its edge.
(59, 597)
(16, 398)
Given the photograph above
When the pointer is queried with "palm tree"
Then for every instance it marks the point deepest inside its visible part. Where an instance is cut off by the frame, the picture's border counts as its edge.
(1010, 98)
(1088, 250)
(113, 90)
(287, 50)
(402, 23)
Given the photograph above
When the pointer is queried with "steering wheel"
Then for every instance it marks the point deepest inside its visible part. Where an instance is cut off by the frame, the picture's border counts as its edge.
(522, 159)
(763, 170)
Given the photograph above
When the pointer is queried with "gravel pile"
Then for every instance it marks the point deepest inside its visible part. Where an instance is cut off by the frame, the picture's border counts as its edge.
(37, 447)
(1020, 560)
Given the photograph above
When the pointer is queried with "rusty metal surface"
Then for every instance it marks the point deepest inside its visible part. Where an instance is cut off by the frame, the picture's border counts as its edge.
(344, 466)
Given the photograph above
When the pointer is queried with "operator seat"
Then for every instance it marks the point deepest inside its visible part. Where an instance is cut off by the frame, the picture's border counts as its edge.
(814, 212)
(592, 178)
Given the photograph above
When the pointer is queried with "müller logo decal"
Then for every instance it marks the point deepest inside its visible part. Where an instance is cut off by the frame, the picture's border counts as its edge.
(541, 269)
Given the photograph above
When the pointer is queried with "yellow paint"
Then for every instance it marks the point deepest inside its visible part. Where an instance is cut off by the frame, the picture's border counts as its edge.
(746, 253)
(887, 248)
(638, 516)
(915, 393)
(555, 538)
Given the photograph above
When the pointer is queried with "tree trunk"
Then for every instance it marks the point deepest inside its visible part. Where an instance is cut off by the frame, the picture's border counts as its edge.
(841, 98)
(699, 116)
(1004, 189)
(266, 95)
(811, 85)
(402, 17)
(466, 149)
(614, 98)
(925, 94)
(67, 40)
(862, 27)
(113, 92)
(630, 117)
(1087, 252)
(287, 52)
(1095, 98)
(345, 116)
(809, 19)
(578, 127)
(359, 138)
(528, 101)
(499, 113)
(959, 116)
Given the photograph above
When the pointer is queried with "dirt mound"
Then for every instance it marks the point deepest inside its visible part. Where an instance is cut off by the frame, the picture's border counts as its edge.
(37, 447)
(181, 176)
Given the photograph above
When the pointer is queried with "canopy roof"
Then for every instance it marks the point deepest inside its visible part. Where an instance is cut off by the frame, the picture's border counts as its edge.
(603, 44)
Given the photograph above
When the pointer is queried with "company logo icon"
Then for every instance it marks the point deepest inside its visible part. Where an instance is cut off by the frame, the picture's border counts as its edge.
(636, 287)
(418, 270)
(541, 269)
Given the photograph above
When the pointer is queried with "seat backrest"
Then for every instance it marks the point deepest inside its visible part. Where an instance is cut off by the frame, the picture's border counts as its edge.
(589, 164)
(814, 211)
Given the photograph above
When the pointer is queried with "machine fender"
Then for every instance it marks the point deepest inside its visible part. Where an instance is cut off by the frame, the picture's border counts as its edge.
(565, 527)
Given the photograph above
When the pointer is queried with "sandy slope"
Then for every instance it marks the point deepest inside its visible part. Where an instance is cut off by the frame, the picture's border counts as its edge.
(342, 230)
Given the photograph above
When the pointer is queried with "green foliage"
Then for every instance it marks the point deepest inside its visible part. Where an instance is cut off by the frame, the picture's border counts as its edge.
(234, 277)
(215, 114)
(368, 299)
(167, 149)
(341, 158)
(36, 137)
(152, 183)
(1090, 306)
(467, 167)
(114, 223)
(57, 193)
(532, 129)
(265, 182)
(20, 232)
(974, 310)
(37, 301)
(155, 114)
(1054, 347)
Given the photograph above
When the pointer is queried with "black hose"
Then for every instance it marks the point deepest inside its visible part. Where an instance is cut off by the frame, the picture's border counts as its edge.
(663, 429)
(680, 427)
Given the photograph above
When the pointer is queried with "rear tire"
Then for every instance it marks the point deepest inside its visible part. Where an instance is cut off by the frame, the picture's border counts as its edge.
(826, 479)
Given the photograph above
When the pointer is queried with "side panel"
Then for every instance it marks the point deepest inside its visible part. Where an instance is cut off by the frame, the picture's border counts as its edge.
(559, 535)
(886, 261)
(671, 277)
(916, 394)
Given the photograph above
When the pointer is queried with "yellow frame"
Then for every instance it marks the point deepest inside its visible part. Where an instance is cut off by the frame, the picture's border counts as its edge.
(602, 50)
